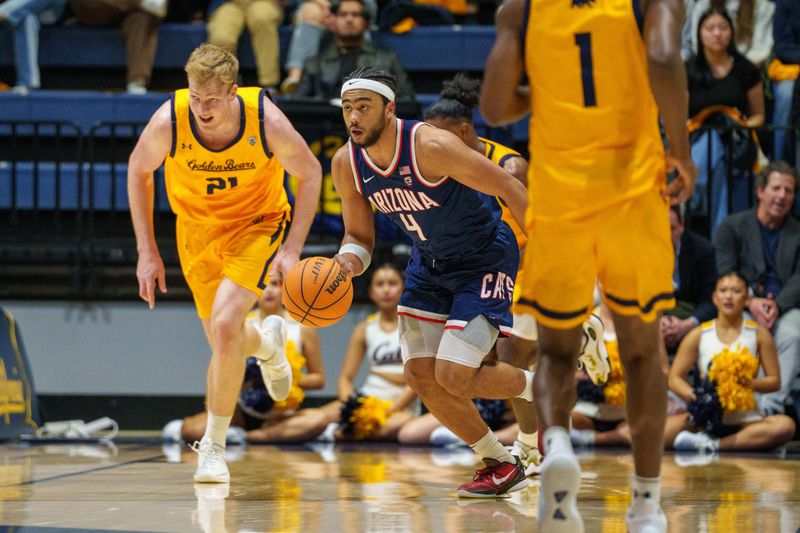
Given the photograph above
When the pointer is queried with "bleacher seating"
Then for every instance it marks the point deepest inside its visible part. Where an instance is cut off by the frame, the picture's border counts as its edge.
(63, 198)
(426, 48)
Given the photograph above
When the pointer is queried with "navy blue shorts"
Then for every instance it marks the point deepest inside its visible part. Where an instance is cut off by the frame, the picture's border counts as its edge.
(455, 291)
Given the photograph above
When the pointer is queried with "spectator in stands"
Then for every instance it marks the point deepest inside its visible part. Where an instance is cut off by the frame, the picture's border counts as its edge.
(25, 18)
(731, 331)
(375, 342)
(724, 91)
(323, 74)
(693, 278)
(140, 21)
(599, 415)
(262, 18)
(764, 245)
(313, 21)
(752, 25)
(255, 413)
(784, 71)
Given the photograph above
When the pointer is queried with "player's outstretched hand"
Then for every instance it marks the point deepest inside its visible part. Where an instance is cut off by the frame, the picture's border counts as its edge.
(681, 188)
(150, 271)
(283, 262)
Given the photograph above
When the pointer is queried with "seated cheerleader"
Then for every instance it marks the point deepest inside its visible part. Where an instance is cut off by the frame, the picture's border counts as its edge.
(598, 418)
(377, 409)
(257, 416)
(728, 352)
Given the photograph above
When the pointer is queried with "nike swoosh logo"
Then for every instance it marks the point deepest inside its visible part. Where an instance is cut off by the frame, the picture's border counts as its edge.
(501, 480)
(369, 178)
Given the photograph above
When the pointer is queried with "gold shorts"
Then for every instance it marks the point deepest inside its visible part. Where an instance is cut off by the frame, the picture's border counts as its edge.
(627, 248)
(240, 251)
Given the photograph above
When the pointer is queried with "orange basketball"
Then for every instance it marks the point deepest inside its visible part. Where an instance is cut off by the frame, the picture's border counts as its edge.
(316, 292)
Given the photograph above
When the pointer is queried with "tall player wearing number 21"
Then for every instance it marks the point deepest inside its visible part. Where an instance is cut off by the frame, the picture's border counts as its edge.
(599, 71)
(224, 149)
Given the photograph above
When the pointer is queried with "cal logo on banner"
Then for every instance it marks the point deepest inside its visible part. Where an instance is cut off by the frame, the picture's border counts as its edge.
(19, 409)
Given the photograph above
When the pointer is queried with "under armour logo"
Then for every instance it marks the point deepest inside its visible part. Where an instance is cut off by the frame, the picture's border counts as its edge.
(559, 496)
(184, 146)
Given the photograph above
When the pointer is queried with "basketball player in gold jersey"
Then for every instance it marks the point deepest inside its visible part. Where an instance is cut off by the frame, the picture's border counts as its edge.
(599, 71)
(225, 149)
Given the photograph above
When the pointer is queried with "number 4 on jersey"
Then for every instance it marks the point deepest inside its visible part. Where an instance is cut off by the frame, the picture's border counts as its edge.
(411, 225)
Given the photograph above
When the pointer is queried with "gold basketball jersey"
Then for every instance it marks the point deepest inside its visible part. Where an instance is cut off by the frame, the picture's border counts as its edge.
(498, 154)
(594, 136)
(241, 181)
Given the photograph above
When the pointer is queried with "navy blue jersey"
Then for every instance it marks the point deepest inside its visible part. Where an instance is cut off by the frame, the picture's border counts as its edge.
(445, 219)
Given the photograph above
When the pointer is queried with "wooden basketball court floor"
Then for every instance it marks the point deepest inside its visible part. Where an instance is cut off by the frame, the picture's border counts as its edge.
(358, 488)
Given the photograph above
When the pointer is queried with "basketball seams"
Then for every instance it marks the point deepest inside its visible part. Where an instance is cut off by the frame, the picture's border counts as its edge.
(322, 286)
(339, 299)
(307, 313)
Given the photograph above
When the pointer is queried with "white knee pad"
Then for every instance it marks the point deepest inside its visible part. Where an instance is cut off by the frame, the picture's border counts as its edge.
(525, 327)
(419, 338)
(470, 345)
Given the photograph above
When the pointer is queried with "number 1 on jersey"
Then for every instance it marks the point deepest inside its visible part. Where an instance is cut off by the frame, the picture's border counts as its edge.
(584, 43)
(411, 225)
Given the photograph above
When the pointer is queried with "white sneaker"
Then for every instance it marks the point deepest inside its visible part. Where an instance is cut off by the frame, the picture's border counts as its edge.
(329, 433)
(211, 467)
(645, 517)
(594, 357)
(558, 494)
(136, 88)
(444, 437)
(236, 436)
(172, 452)
(172, 431)
(275, 368)
(154, 7)
(530, 458)
(686, 441)
(582, 437)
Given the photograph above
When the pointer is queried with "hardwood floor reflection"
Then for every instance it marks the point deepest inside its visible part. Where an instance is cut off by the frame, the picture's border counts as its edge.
(375, 489)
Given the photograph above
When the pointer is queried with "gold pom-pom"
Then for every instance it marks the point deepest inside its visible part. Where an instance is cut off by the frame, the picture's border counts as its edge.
(614, 389)
(369, 416)
(296, 395)
(732, 371)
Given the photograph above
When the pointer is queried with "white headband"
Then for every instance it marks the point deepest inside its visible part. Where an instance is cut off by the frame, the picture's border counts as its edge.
(370, 85)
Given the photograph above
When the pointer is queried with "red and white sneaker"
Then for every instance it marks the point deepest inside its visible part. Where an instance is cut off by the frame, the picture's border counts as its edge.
(495, 480)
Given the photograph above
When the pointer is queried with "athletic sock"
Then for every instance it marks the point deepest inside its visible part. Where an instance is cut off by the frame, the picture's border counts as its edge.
(647, 489)
(531, 440)
(556, 439)
(489, 447)
(217, 428)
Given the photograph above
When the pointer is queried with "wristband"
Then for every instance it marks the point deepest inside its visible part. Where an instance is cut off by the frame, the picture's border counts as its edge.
(358, 251)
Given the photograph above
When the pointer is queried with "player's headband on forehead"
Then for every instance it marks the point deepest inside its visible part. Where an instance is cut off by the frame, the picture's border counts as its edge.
(370, 85)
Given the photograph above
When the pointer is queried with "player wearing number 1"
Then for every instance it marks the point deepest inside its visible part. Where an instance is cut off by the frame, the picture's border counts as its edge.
(224, 149)
(599, 71)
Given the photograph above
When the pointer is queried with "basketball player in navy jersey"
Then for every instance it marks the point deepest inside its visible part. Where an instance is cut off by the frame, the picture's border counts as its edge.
(460, 278)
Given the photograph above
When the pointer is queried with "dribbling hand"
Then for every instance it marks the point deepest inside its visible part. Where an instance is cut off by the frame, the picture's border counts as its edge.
(149, 271)
(350, 263)
(283, 262)
(681, 188)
